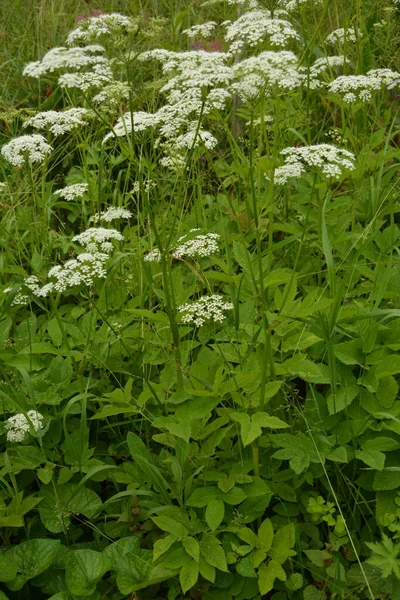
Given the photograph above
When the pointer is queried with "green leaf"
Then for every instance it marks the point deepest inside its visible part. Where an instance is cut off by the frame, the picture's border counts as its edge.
(385, 556)
(202, 496)
(248, 536)
(161, 546)
(192, 547)
(131, 563)
(313, 593)
(189, 574)
(372, 458)
(344, 397)
(350, 353)
(283, 543)
(32, 558)
(151, 472)
(8, 568)
(181, 430)
(386, 480)
(213, 553)
(206, 570)
(171, 526)
(56, 509)
(84, 569)
(265, 535)
(215, 512)
(265, 420)
(389, 366)
(267, 575)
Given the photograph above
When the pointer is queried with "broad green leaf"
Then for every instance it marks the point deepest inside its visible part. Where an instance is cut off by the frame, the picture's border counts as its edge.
(131, 563)
(192, 547)
(8, 568)
(56, 510)
(265, 420)
(372, 458)
(162, 545)
(389, 366)
(215, 512)
(267, 575)
(387, 391)
(171, 526)
(32, 558)
(265, 535)
(282, 544)
(248, 536)
(150, 471)
(181, 430)
(189, 574)
(313, 593)
(84, 569)
(206, 570)
(213, 552)
(385, 556)
(386, 480)
(350, 353)
(344, 397)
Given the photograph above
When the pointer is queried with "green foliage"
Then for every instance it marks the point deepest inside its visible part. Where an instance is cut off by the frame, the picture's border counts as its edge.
(232, 455)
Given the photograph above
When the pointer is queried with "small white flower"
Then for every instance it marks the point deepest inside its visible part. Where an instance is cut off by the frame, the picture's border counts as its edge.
(66, 58)
(342, 36)
(70, 192)
(254, 27)
(101, 75)
(208, 308)
(58, 122)
(327, 159)
(19, 425)
(93, 28)
(204, 30)
(33, 148)
(153, 256)
(360, 87)
(111, 214)
(97, 236)
(198, 246)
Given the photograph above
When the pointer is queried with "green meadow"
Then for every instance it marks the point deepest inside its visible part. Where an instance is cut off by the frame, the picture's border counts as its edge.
(199, 300)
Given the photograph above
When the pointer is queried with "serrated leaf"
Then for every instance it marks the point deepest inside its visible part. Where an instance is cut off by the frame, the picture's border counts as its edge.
(84, 569)
(344, 397)
(265, 535)
(213, 552)
(8, 568)
(171, 526)
(32, 558)
(215, 512)
(267, 575)
(372, 458)
(265, 420)
(283, 543)
(161, 546)
(207, 571)
(189, 574)
(192, 547)
(386, 480)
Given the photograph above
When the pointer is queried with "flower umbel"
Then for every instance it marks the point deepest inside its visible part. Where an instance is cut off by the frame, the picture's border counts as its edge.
(33, 148)
(208, 308)
(18, 425)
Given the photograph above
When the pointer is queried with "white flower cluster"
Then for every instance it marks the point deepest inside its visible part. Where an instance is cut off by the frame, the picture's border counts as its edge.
(149, 184)
(193, 137)
(65, 58)
(359, 88)
(111, 214)
(100, 76)
(200, 245)
(58, 122)
(85, 268)
(204, 30)
(19, 425)
(113, 94)
(291, 5)
(327, 159)
(208, 308)
(253, 27)
(343, 36)
(153, 256)
(259, 74)
(32, 148)
(70, 192)
(3, 186)
(93, 28)
(323, 65)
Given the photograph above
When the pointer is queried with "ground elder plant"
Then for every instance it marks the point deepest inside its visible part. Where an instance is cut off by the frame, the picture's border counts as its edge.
(200, 305)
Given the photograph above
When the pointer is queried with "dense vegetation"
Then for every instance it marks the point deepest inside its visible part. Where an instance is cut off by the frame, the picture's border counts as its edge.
(200, 307)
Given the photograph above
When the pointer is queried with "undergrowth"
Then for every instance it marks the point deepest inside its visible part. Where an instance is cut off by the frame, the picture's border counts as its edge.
(200, 307)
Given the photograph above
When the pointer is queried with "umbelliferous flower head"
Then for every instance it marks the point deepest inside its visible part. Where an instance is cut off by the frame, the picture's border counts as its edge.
(70, 192)
(360, 88)
(19, 425)
(31, 148)
(324, 158)
(59, 122)
(208, 308)
(66, 58)
(199, 245)
(342, 36)
(111, 214)
(254, 27)
(103, 25)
